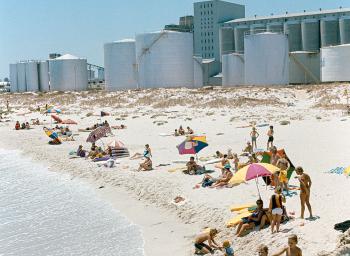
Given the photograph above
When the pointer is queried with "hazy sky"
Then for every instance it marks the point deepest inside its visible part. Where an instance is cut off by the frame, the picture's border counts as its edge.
(31, 29)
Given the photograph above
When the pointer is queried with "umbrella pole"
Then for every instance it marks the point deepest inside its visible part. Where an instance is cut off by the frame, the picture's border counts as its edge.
(256, 182)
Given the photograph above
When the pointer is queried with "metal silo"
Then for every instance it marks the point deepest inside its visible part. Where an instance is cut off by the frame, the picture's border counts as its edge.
(266, 59)
(329, 28)
(197, 72)
(275, 27)
(344, 27)
(293, 30)
(120, 65)
(227, 41)
(21, 77)
(335, 63)
(164, 59)
(304, 67)
(68, 73)
(13, 78)
(257, 28)
(44, 76)
(32, 76)
(310, 31)
(239, 37)
(232, 69)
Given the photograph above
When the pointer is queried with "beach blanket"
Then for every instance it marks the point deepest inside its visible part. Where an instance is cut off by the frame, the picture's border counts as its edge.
(336, 170)
(343, 226)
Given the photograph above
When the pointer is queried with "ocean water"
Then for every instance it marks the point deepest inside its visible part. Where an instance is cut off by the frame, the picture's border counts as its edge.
(43, 213)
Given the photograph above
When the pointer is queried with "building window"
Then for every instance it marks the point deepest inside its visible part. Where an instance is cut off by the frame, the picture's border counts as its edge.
(212, 12)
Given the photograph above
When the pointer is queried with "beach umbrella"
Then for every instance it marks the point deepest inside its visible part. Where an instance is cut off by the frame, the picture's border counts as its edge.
(51, 134)
(98, 133)
(56, 118)
(347, 171)
(192, 145)
(68, 121)
(253, 171)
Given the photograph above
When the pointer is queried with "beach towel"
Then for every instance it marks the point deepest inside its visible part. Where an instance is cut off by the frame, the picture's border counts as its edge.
(343, 226)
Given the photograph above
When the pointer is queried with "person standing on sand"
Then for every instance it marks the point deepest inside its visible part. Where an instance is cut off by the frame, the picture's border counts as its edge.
(305, 186)
(276, 209)
(270, 140)
(203, 248)
(254, 135)
(292, 249)
(284, 166)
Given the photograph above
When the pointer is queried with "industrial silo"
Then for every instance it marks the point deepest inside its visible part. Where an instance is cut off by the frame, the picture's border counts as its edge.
(227, 41)
(21, 77)
(344, 27)
(13, 78)
(44, 76)
(304, 67)
(197, 72)
(32, 76)
(275, 27)
(164, 59)
(266, 59)
(293, 30)
(257, 28)
(232, 69)
(329, 28)
(239, 33)
(68, 73)
(310, 31)
(120, 65)
(335, 63)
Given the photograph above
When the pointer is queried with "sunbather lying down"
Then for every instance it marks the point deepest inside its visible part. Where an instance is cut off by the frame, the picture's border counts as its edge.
(119, 127)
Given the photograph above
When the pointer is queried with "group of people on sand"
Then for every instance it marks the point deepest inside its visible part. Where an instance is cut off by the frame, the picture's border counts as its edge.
(23, 126)
(181, 131)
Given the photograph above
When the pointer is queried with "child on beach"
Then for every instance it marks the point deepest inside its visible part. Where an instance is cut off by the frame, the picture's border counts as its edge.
(270, 134)
(200, 245)
(263, 250)
(228, 250)
(254, 135)
(276, 209)
(236, 162)
(292, 249)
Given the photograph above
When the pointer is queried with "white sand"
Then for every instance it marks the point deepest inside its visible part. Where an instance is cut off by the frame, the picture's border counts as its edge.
(317, 144)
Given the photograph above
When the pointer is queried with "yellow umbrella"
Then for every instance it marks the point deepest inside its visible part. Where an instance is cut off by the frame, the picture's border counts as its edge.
(347, 171)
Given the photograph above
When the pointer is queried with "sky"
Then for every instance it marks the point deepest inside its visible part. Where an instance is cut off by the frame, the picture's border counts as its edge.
(31, 29)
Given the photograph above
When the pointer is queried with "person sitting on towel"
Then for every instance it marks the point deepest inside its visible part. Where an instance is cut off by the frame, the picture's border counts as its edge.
(17, 126)
(189, 130)
(226, 177)
(192, 167)
(146, 165)
(27, 126)
(218, 154)
(248, 149)
(176, 133)
(81, 152)
(181, 130)
(203, 248)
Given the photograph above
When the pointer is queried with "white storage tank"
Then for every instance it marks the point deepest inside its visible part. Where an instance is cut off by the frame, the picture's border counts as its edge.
(164, 59)
(32, 76)
(198, 72)
(68, 73)
(275, 27)
(120, 65)
(293, 30)
(329, 28)
(13, 78)
(239, 33)
(304, 67)
(266, 59)
(232, 69)
(227, 42)
(335, 63)
(310, 30)
(344, 27)
(44, 85)
(21, 77)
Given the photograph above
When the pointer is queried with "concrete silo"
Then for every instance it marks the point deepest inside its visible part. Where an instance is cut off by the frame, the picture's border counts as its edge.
(275, 27)
(198, 72)
(232, 69)
(32, 76)
(310, 30)
(293, 30)
(329, 28)
(21, 77)
(13, 78)
(68, 73)
(44, 76)
(227, 41)
(344, 27)
(120, 65)
(304, 67)
(164, 59)
(257, 28)
(335, 63)
(239, 33)
(266, 59)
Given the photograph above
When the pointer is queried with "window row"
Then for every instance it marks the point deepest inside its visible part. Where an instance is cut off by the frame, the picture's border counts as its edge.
(206, 5)
(207, 13)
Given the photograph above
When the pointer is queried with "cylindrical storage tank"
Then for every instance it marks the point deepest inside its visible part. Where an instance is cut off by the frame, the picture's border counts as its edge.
(276, 27)
(165, 59)
(44, 76)
(304, 67)
(68, 73)
(329, 28)
(32, 76)
(101, 74)
(310, 31)
(335, 63)
(257, 28)
(232, 69)
(227, 41)
(266, 59)
(21, 77)
(120, 65)
(197, 72)
(13, 78)
(239, 33)
(344, 27)
(293, 30)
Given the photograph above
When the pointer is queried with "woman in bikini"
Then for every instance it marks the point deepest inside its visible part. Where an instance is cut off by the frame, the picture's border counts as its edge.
(276, 209)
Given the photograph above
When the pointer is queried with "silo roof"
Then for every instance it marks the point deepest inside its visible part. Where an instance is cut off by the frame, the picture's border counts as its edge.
(67, 57)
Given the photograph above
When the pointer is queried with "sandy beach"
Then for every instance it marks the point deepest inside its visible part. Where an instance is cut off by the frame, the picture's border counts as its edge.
(315, 138)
